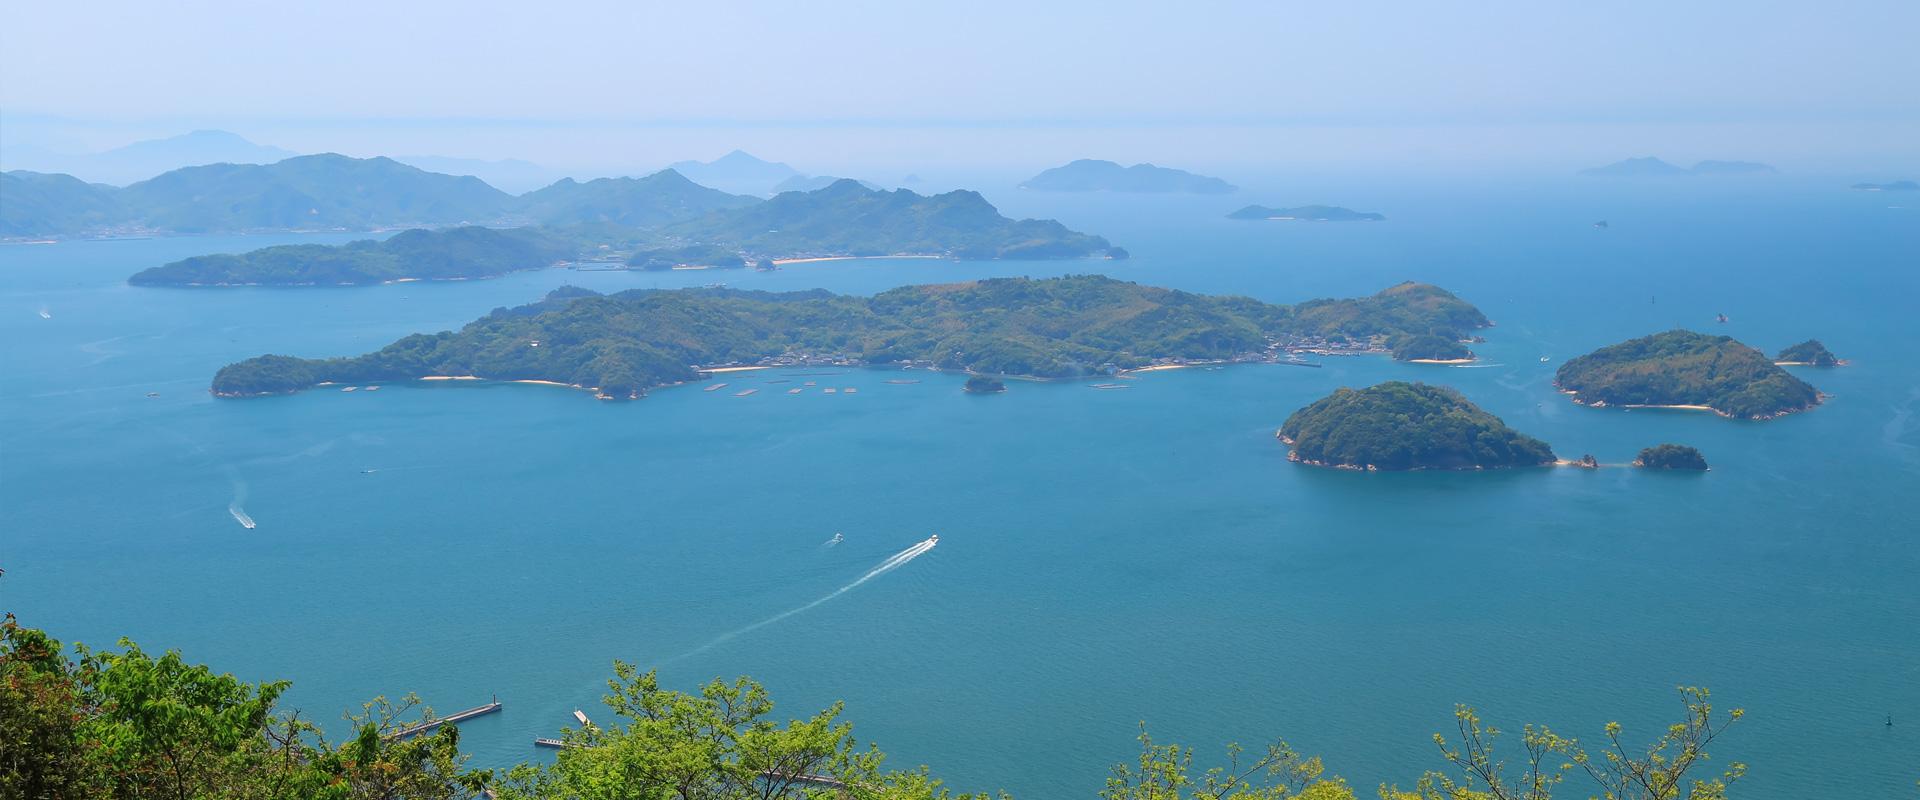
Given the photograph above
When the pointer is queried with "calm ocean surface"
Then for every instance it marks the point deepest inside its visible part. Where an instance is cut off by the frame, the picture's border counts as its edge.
(1106, 557)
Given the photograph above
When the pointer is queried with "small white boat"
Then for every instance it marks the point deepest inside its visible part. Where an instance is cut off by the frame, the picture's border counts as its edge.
(1544, 359)
(934, 539)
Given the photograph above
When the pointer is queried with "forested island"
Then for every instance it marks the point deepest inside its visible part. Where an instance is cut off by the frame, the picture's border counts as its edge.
(1671, 456)
(982, 384)
(1307, 214)
(452, 254)
(842, 220)
(1095, 175)
(625, 343)
(1810, 353)
(1406, 426)
(1684, 369)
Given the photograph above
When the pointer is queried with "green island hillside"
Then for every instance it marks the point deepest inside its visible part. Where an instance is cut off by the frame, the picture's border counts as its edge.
(1671, 456)
(449, 254)
(848, 219)
(86, 724)
(844, 219)
(693, 255)
(625, 343)
(1095, 175)
(1430, 347)
(1406, 426)
(1686, 369)
(1810, 353)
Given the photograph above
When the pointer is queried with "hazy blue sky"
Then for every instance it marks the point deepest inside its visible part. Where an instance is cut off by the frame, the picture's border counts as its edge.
(888, 83)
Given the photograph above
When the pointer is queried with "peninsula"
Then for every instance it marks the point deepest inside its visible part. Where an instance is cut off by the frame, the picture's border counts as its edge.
(1406, 426)
(1094, 175)
(1307, 214)
(626, 343)
(1684, 369)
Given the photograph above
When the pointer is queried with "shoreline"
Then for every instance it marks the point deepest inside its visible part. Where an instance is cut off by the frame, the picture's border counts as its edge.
(781, 262)
(1441, 360)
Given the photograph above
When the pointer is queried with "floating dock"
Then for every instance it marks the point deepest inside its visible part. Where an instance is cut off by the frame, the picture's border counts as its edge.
(716, 387)
(744, 392)
(450, 719)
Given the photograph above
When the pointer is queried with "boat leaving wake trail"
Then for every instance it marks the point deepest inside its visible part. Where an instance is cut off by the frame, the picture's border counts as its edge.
(893, 562)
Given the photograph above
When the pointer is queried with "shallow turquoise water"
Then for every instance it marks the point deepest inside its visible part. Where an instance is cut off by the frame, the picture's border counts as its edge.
(1106, 556)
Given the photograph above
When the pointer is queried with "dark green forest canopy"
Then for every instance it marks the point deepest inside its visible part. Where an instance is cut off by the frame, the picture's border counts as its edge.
(1681, 367)
(1671, 456)
(1402, 426)
(1810, 351)
(625, 343)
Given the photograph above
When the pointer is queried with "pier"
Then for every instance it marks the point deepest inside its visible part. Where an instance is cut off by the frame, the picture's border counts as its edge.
(462, 716)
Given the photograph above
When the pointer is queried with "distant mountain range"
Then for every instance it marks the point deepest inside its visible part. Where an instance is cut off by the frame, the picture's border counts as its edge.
(1307, 214)
(737, 172)
(1091, 175)
(334, 192)
(144, 159)
(508, 175)
(1649, 166)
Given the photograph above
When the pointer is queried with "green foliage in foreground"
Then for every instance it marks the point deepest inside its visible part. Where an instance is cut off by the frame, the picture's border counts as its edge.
(1400, 426)
(1671, 456)
(1680, 367)
(625, 343)
(470, 252)
(124, 725)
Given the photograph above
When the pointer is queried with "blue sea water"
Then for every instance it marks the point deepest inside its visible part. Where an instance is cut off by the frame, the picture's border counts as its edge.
(1106, 557)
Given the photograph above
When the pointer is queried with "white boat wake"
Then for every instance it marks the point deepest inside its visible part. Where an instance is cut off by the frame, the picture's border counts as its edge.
(239, 496)
(893, 562)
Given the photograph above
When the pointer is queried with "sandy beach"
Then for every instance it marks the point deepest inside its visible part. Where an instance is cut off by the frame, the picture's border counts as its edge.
(717, 370)
(451, 378)
(1157, 368)
(1441, 360)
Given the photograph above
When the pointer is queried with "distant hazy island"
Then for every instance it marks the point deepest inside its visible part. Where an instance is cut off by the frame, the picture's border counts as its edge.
(1653, 167)
(1671, 456)
(1093, 175)
(1893, 186)
(1307, 214)
(1683, 369)
(453, 254)
(1404, 426)
(842, 220)
(1810, 353)
(847, 219)
(625, 343)
(330, 192)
